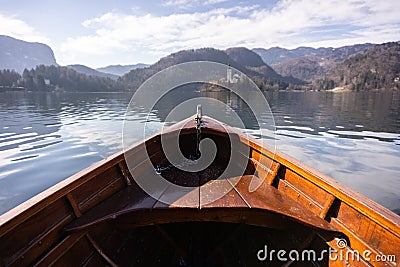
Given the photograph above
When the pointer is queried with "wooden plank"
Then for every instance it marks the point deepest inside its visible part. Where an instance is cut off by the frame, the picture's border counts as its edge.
(59, 250)
(103, 194)
(358, 244)
(129, 199)
(220, 193)
(260, 159)
(74, 205)
(269, 198)
(135, 160)
(88, 193)
(264, 172)
(108, 237)
(309, 189)
(232, 215)
(125, 172)
(327, 207)
(275, 168)
(80, 252)
(179, 197)
(14, 243)
(370, 232)
(140, 168)
(100, 251)
(42, 243)
(95, 260)
(297, 195)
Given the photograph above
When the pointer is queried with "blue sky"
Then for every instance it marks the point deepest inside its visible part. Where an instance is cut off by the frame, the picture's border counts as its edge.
(98, 33)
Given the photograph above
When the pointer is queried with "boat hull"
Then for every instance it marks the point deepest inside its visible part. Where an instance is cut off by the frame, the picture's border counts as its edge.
(102, 215)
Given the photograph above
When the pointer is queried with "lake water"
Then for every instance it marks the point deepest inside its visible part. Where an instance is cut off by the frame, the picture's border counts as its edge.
(352, 137)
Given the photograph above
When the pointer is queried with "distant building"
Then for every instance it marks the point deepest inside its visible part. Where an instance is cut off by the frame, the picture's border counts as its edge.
(229, 74)
(229, 78)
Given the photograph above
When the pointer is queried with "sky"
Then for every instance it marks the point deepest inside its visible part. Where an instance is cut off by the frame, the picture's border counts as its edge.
(98, 33)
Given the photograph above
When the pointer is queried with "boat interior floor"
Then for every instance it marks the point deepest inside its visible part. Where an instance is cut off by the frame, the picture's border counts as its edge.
(196, 244)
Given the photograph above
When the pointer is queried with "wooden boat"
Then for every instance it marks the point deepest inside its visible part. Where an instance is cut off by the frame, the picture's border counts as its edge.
(101, 216)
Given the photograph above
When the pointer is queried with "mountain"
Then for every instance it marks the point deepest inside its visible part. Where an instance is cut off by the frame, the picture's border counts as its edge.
(241, 59)
(89, 71)
(137, 76)
(17, 54)
(277, 55)
(245, 56)
(120, 70)
(252, 62)
(376, 68)
(308, 63)
(306, 68)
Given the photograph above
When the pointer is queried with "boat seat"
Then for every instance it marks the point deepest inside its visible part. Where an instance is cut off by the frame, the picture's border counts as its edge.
(237, 204)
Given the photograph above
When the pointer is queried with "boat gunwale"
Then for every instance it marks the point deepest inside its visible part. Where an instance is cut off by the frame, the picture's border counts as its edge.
(375, 211)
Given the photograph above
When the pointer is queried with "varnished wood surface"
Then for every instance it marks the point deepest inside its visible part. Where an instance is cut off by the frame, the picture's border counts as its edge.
(235, 195)
(63, 224)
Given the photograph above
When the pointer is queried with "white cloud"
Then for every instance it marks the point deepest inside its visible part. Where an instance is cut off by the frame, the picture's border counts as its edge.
(11, 26)
(290, 23)
(213, 2)
(182, 4)
(186, 4)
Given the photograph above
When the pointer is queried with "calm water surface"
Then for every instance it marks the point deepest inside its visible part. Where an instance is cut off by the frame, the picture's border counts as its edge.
(352, 137)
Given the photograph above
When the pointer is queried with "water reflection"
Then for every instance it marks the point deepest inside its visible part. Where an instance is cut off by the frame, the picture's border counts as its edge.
(372, 111)
(189, 91)
(353, 137)
(45, 138)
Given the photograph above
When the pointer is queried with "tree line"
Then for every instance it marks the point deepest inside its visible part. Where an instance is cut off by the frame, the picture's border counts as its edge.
(9, 78)
(57, 78)
(376, 68)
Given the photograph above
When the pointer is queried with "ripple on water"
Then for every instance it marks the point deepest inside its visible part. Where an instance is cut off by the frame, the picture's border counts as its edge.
(49, 137)
(25, 158)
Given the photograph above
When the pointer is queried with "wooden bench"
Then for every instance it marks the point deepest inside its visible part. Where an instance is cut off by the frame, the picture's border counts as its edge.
(266, 206)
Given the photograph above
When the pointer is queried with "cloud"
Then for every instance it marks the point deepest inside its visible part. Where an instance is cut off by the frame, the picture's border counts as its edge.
(290, 23)
(11, 26)
(182, 4)
(213, 2)
(186, 4)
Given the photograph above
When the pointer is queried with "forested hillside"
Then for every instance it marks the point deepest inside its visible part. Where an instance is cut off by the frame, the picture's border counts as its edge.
(376, 68)
(306, 63)
(49, 78)
(241, 59)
